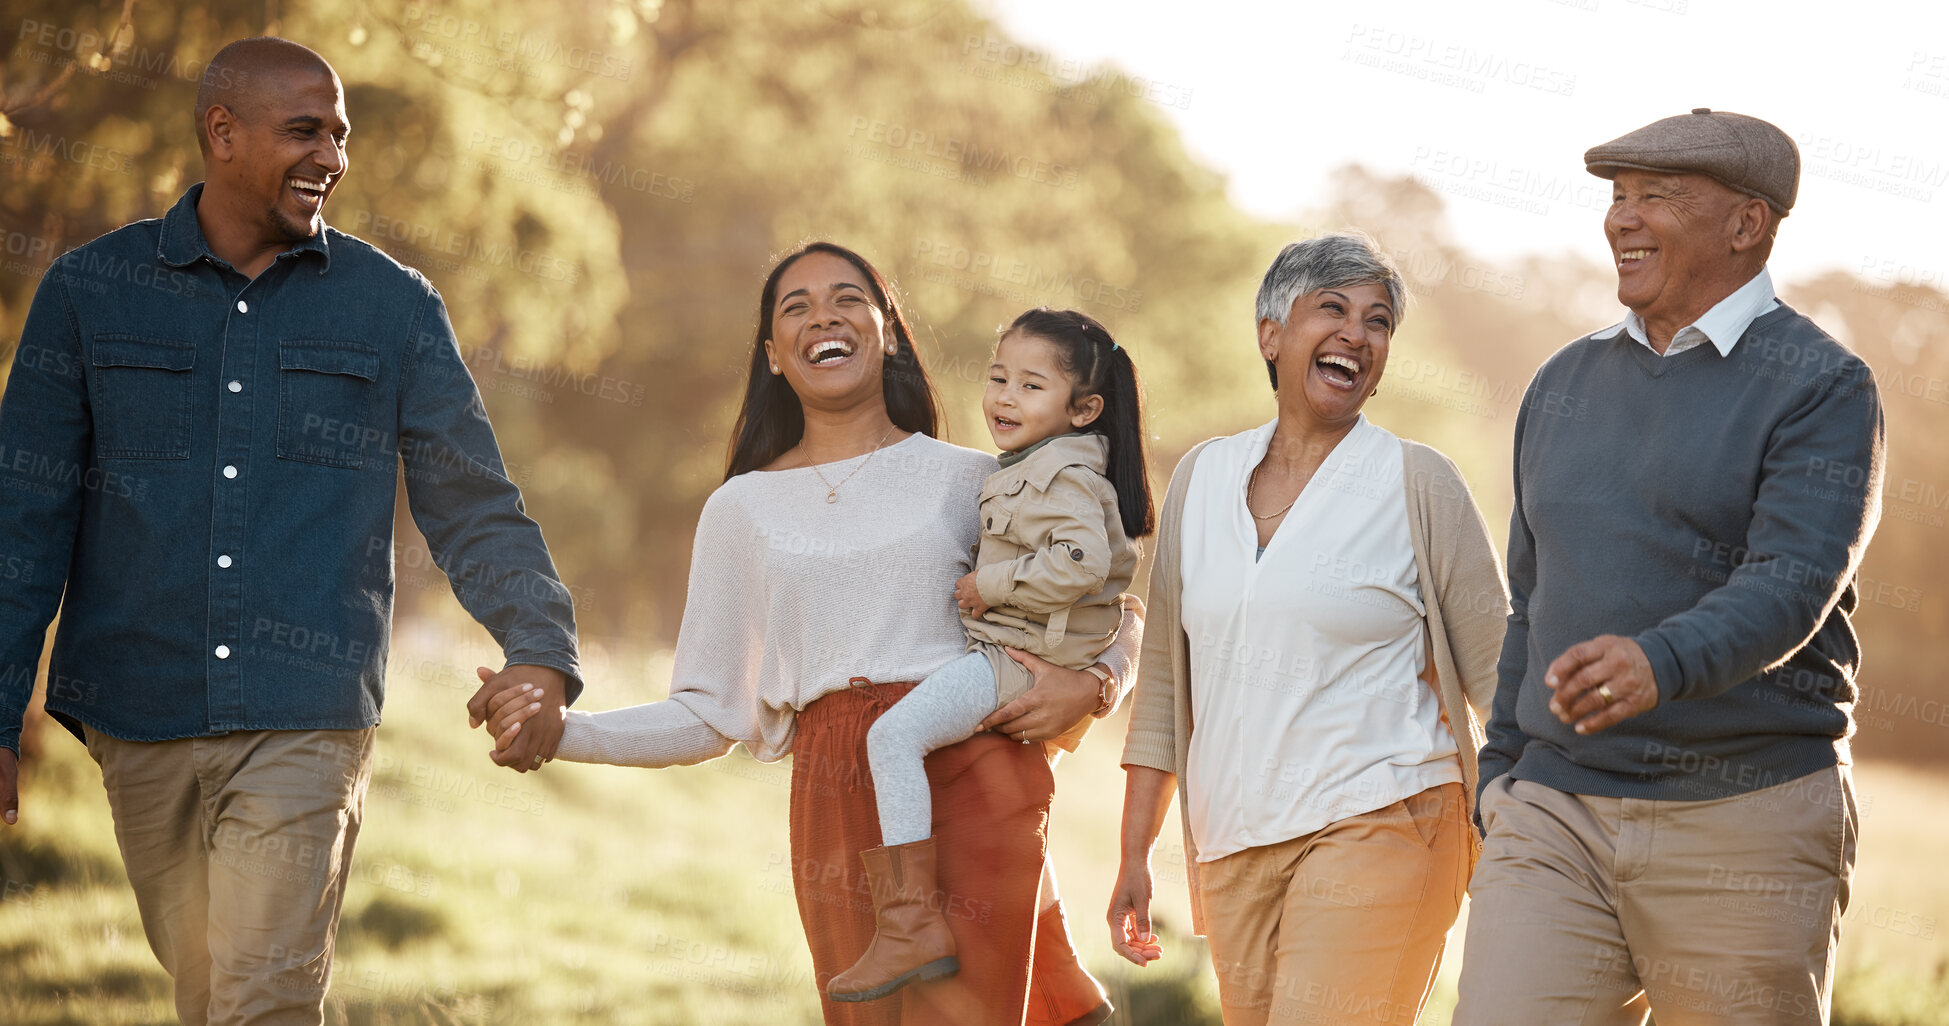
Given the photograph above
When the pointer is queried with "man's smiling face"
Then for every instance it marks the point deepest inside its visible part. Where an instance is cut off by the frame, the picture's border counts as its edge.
(290, 150)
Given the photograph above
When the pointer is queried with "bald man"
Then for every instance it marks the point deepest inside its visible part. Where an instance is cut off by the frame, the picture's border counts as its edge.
(199, 447)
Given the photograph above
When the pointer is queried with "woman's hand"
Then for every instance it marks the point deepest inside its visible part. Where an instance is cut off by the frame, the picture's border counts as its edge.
(968, 597)
(1054, 702)
(542, 684)
(505, 713)
(1130, 930)
(1146, 798)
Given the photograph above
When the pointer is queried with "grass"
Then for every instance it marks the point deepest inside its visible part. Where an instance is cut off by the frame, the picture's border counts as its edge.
(603, 895)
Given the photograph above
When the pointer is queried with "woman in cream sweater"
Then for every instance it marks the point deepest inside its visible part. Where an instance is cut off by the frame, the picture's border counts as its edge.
(1325, 615)
(821, 587)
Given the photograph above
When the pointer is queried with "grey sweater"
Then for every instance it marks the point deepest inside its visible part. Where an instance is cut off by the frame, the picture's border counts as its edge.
(1714, 509)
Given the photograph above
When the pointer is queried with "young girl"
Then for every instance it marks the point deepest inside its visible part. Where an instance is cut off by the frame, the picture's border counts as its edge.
(1056, 553)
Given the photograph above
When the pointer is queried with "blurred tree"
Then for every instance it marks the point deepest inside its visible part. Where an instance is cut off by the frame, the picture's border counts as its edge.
(598, 186)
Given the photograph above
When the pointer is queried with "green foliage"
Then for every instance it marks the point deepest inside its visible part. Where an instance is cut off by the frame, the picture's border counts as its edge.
(597, 187)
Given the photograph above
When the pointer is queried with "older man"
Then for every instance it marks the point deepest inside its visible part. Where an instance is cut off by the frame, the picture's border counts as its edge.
(202, 432)
(1670, 820)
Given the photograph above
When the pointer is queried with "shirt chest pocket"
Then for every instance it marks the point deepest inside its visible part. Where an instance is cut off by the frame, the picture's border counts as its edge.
(324, 405)
(141, 394)
(1001, 513)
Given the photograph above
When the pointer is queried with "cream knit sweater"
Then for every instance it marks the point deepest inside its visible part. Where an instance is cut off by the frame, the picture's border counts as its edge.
(791, 597)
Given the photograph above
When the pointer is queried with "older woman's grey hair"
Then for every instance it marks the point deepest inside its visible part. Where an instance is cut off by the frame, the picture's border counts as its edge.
(1332, 261)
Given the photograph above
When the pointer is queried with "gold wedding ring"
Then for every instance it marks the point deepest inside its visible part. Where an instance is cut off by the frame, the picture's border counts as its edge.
(537, 764)
(1604, 692)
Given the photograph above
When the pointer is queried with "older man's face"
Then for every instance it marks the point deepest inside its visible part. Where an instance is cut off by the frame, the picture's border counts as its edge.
(1671, 241)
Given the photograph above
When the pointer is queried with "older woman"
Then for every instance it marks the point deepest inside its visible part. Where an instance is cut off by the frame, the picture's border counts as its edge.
(821, 586)
(1325, 615)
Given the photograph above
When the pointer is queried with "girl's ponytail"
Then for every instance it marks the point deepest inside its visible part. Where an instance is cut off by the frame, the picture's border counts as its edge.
(1123, 421)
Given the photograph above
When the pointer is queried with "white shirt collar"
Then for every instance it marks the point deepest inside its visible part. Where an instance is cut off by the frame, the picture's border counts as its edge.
(1261, 441)
(1722, 325)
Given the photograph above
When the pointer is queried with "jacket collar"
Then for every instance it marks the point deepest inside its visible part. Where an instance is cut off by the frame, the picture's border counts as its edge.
(182, 243)
(1049, 457)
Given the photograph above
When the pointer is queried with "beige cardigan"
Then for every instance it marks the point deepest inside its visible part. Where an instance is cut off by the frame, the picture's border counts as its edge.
(1462, 587)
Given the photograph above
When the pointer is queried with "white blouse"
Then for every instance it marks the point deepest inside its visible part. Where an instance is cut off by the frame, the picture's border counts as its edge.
(791, 596)
(1307, 703)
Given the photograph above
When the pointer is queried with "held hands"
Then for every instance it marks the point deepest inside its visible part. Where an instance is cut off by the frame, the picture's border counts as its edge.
(1601, 683)
(506, 700)
(1130, 931)
(1054, 702)
(968, 597)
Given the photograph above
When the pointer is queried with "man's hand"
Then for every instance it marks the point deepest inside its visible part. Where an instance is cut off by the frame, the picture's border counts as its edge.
(9, 786)
(1601, 683)
(535, 742)
(1130, 931)
(1053, 703)
(968, 597)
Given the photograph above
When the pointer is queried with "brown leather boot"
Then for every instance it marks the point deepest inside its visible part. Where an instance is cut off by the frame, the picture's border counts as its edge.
(1061, 992)
(911, 941)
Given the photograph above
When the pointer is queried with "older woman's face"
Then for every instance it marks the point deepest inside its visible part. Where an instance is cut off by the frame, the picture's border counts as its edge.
(1332, 348)
(828, 335)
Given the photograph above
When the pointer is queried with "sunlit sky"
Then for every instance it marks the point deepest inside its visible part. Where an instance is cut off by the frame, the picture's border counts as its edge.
(1493, 104)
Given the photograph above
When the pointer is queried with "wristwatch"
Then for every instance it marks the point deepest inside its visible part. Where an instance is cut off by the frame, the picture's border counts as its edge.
(1106, 688)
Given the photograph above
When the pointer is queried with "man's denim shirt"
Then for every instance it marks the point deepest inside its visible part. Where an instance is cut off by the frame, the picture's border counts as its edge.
(208, 464)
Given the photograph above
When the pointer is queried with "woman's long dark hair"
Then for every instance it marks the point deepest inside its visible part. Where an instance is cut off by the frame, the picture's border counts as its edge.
(1096, 365)
(772, 420)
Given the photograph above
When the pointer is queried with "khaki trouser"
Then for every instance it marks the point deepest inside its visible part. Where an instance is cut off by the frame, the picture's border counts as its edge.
(1595, 910)
(238, 847)
(1343, 925)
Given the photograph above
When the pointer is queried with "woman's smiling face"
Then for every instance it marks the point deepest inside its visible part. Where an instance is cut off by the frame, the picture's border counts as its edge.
(828, 333)
(1333, 348)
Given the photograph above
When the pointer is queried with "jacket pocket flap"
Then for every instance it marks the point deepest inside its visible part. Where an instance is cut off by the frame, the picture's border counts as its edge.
(1007, 486)
(135, 351)
(352, 358)
(995, 517)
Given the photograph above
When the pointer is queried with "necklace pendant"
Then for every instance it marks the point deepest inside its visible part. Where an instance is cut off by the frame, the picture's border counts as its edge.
(832, 497)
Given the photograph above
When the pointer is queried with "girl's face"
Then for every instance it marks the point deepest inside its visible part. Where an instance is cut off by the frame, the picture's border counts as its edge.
(828, 336)
(1028, 395)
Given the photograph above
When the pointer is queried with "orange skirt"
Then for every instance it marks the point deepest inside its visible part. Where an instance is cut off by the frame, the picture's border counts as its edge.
(991, 814)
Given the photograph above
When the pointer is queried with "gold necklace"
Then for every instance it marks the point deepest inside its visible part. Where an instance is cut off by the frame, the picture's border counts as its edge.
(832, 490)
(1254, 479)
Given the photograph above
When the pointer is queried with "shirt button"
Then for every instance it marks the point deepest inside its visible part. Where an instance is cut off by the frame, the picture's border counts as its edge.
(223, 651)
(230, 472)
(223, 561)
(236, 386)
(243, 307)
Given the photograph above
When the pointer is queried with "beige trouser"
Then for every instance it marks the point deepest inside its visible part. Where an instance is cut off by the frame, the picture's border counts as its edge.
(1596, 910)
(239, 847)
(1342, 925)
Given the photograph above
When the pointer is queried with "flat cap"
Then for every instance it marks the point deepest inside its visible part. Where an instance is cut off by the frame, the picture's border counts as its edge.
(1745, 153)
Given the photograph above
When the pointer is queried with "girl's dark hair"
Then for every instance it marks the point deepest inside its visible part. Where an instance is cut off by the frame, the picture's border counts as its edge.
(772, 419)
(1096, 365)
